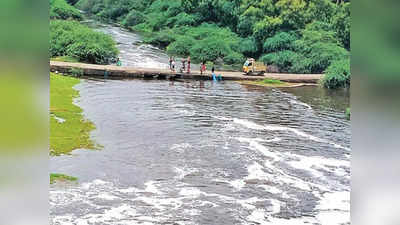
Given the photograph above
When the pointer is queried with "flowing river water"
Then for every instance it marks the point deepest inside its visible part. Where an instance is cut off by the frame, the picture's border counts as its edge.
(199, 152)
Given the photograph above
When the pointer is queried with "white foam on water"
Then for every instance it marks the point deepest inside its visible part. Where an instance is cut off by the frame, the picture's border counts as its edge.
(292, 221)
(120, 214)
(186, 112)
(300, 103)
(335, 201)
(181, 146)
(129, 190)
(190, 192)
(281, 177)
(274, 140)
(107, 196)
(152, 188)
(248, 203)
(249, 124)
(312, 163)
(192, 212)
(271, 189)
(221, 118)
(161, 203)
(182, 172)
(254, 126)
(257, 216)
(254, 144)
(237, 184)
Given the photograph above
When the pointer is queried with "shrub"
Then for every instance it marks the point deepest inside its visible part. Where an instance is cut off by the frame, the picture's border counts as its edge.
(279, 42)
(283, 59)
(133, 18)
(60, 9)
(248, 47)
(209, 49)
(182, 19)
(70, 38)
(234, 58)
(181, 46)
(320, 46)
(161, 39)
(337, 75)
(90, 6)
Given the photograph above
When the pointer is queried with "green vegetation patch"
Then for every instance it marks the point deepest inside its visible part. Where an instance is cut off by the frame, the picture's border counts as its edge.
(75, 40)
(60, 9)
(69, 130)
(56, 177)
(272, 81)
(269, 83)
(348, 113)
(65, 59)
(337, 75)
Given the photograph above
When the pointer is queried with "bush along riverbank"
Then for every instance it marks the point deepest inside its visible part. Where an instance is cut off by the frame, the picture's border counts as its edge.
(72, 41)
(291, 36)
(60, 9)
(69, 130)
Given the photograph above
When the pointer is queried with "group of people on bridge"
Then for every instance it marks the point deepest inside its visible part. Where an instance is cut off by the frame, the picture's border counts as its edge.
(183, 68)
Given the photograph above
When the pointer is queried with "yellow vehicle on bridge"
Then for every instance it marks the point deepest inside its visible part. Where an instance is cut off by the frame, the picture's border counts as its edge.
(252, 67)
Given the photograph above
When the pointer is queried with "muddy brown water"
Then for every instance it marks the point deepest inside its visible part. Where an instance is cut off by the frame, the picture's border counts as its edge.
(202, 152)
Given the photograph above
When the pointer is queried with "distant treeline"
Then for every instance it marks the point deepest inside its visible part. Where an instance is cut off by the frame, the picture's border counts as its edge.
(297, 36)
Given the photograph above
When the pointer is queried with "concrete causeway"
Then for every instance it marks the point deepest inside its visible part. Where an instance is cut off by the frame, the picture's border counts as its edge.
(116, 72)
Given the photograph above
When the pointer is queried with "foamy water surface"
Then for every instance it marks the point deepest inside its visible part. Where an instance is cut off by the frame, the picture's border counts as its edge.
(205, 153)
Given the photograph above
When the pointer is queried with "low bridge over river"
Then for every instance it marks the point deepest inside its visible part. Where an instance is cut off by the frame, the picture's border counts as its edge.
(118, 72)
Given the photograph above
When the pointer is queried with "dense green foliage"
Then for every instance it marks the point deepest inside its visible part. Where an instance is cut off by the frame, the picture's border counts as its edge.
(60, 9)
(299, 36)
(337, 74)
(70, 38)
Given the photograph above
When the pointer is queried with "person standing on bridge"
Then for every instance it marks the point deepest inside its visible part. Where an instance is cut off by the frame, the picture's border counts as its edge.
(183, 67)
(170, 62)
(173, 65)
(202, 68)
(188, 62)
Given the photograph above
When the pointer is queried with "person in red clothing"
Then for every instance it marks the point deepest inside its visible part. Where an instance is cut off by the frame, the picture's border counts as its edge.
(202, 68)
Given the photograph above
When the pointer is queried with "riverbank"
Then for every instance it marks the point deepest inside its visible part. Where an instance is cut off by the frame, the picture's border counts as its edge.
(69, 130)
(275, 83)
(111, 71)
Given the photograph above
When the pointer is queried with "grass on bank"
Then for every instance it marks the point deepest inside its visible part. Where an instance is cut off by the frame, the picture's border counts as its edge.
(56, 177)
(267, 83)
(348, 113)
(65, 59)
(69, 130)
(272, 83)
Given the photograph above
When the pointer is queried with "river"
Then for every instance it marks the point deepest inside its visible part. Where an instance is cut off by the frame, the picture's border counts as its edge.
(199, 152)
